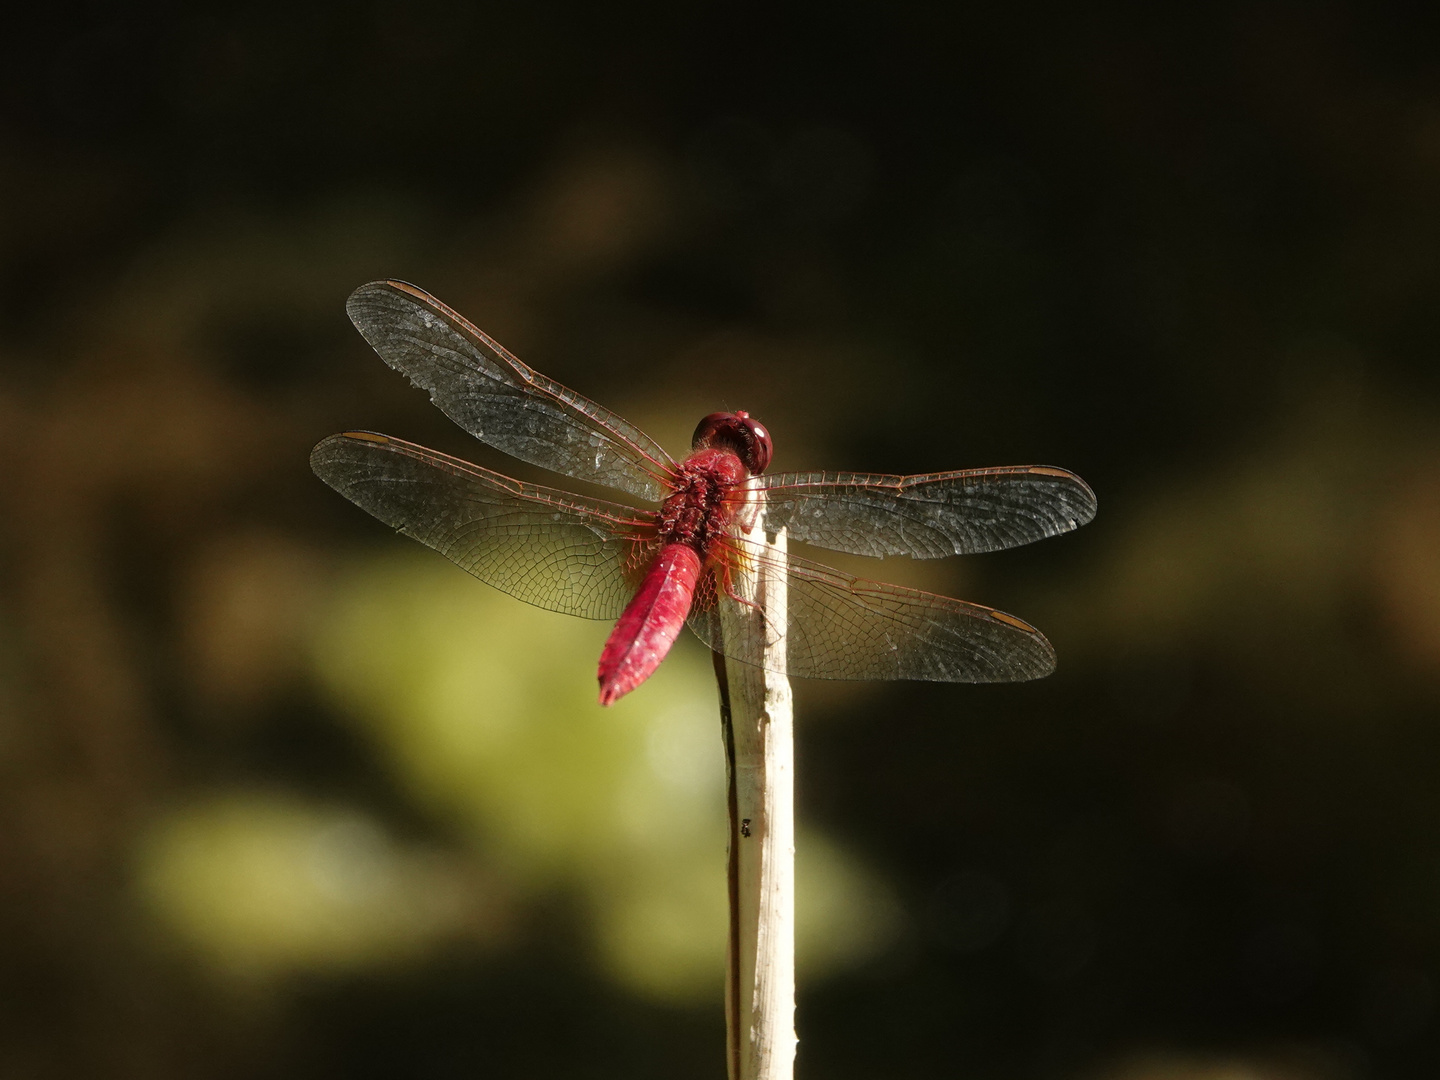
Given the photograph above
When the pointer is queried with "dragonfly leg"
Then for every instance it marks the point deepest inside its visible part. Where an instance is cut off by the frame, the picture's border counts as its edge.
(757, 608)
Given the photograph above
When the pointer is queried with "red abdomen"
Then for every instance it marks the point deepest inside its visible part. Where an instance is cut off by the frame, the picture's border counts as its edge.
(650, 623)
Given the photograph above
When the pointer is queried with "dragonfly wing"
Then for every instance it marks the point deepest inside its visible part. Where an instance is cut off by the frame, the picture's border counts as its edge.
(549, 548)
(843, 627)
(501, 401)
(928, 516)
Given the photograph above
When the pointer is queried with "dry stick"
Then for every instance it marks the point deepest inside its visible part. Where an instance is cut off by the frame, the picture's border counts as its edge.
(755, 709)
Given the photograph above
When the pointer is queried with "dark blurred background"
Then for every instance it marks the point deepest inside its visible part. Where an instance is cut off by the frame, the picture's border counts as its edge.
(284, 795)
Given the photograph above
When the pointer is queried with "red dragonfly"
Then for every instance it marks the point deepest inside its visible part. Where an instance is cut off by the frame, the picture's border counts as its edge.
(654, 570)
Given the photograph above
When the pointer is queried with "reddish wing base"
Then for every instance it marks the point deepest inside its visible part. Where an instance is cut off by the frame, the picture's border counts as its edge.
(650, 623)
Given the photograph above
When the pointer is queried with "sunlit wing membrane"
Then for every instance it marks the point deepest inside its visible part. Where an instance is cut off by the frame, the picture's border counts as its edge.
(843, 627)
(500, 400)
(928, 516)
(549, 548)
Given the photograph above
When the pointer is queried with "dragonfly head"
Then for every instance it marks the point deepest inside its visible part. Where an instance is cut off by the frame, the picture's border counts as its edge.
(740, 432)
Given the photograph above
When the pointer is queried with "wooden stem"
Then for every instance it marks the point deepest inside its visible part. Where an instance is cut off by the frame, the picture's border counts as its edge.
(756, 715)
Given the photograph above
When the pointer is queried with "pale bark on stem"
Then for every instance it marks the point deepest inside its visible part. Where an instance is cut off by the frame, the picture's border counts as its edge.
(756, 714)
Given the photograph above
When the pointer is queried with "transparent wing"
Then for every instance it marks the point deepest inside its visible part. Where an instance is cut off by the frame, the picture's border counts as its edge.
(501, 401)
(928, 516)
(549, 548)
(843, 627)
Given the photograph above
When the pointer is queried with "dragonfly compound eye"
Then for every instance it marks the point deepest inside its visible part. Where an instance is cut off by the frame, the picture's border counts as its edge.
(740, 432)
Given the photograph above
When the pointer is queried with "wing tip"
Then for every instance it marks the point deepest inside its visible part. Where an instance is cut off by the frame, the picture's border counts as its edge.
(1088, 504)
(1037, 662)
(368, 322)
(326, 449)
(358, 301)
(1046, 662)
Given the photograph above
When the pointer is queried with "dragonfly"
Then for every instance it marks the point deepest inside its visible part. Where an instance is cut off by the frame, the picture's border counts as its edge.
(655, 569)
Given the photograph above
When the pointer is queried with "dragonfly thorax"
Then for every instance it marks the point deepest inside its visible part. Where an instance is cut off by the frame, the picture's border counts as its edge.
(699, 509)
